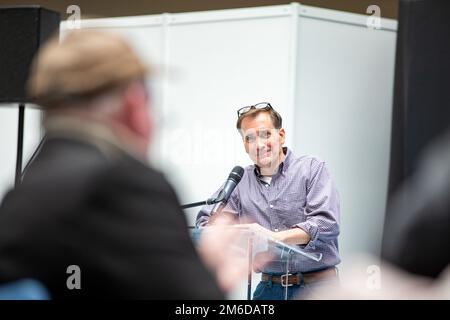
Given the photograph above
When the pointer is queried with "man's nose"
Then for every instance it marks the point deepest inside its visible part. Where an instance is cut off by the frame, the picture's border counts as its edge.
(260, 143)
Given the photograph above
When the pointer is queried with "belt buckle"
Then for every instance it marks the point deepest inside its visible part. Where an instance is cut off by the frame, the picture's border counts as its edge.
(285, 280)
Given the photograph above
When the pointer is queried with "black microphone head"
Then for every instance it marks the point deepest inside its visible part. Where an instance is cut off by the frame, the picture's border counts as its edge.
(236, 174)
(231, 183)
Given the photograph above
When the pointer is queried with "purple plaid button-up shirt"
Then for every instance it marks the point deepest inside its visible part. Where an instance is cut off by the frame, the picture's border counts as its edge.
(301, 194)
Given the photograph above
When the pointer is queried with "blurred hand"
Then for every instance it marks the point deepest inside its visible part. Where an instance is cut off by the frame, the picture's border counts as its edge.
(224, 252)
(223, 247)
(229, 219)
(258, 230)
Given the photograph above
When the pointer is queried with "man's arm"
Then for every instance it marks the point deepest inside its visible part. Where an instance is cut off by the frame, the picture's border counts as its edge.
(322, 209)
(291, 236)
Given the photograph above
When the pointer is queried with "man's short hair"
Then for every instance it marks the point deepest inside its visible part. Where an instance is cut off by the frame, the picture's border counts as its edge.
(277, 121)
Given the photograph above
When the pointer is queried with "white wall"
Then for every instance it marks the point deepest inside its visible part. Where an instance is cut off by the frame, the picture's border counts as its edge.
(9, 116)
(343, 115)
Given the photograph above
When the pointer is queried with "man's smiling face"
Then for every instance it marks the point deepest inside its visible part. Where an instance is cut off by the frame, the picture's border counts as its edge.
(262, 141)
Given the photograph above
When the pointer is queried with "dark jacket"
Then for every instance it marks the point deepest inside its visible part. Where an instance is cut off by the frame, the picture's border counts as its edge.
(114, 217)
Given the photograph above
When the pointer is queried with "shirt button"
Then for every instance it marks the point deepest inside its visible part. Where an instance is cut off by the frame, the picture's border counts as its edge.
(267, 185)
(271, 205)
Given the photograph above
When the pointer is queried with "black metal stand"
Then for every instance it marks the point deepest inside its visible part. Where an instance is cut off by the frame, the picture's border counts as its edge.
(20, 144)
(200, 203)
(250, 268)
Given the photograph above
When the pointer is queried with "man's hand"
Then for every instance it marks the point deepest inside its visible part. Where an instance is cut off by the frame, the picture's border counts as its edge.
(290, 236)
(259, 230)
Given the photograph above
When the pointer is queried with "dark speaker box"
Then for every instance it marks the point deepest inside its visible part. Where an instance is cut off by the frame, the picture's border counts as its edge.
(23, 29)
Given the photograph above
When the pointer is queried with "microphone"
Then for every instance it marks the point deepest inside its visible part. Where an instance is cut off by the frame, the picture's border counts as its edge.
(231, 183)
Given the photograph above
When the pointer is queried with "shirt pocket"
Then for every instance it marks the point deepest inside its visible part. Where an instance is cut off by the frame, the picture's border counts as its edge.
(290, 209)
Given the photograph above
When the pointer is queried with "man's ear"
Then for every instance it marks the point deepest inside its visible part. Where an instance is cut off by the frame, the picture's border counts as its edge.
(282, 135)
(138, 117)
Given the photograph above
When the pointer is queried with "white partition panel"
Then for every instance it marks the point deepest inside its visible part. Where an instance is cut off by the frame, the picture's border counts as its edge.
(9, 115)
(32, 134)
(343, 115)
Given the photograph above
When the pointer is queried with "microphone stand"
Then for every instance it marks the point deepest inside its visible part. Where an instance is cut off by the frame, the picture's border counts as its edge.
(201, 203)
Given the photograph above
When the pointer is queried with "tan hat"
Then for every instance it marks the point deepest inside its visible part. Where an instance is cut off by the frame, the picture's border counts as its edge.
(84, 63)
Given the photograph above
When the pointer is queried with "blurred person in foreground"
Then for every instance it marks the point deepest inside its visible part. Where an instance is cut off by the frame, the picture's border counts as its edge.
(417, 237)
(89, 201)
(369, 278)
(416, 248)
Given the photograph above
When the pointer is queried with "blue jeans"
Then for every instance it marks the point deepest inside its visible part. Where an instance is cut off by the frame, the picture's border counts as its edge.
(267, 290)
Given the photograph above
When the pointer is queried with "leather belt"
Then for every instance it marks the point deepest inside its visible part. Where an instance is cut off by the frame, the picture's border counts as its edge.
(300, 278)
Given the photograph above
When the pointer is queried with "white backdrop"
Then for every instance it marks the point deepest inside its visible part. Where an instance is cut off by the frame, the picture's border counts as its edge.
(343, 115)
(329, 76)
(9, 116)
